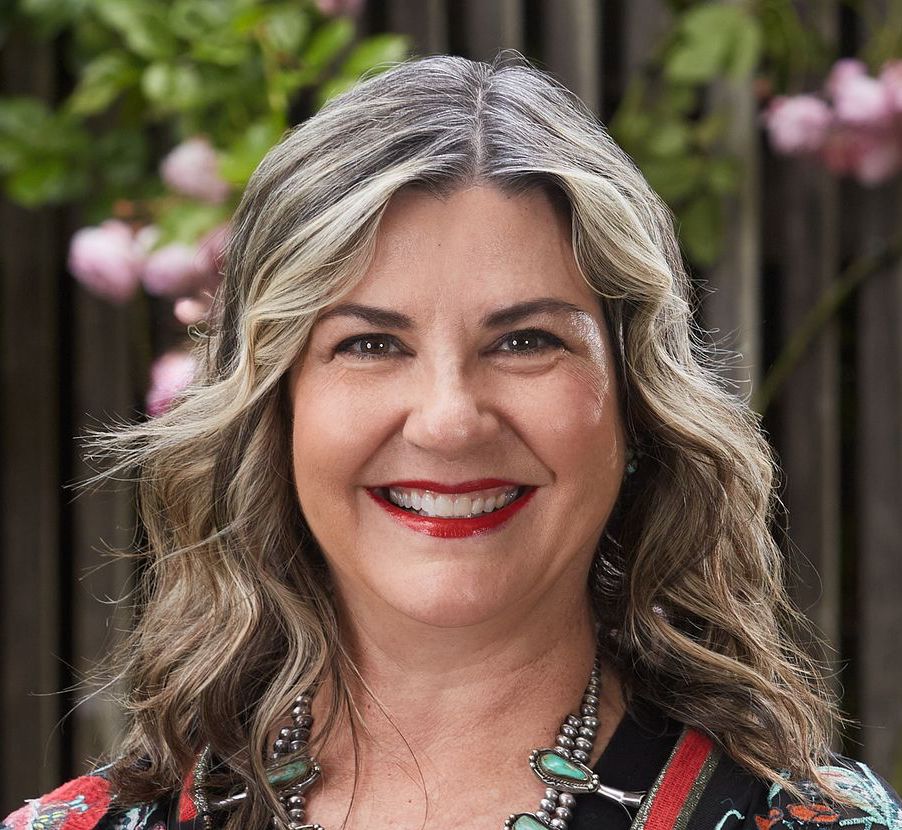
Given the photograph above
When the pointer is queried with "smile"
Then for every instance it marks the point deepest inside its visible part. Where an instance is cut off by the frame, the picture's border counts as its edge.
(452, 512)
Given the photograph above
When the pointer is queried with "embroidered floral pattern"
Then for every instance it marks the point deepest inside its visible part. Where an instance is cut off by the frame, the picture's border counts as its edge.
(874, 807)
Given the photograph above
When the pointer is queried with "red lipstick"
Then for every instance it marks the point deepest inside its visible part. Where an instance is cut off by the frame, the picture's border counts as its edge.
(453, 528)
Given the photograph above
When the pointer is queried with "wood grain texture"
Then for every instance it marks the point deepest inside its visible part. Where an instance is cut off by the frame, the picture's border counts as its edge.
(33, 629)
(879, 485)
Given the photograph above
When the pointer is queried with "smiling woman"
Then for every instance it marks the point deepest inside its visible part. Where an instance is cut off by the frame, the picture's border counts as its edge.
(458, 527)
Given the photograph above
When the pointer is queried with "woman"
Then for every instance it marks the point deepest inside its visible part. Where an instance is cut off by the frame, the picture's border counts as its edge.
(456, 484)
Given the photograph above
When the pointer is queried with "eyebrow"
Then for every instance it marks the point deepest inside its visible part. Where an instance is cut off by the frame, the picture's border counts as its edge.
(507, 316)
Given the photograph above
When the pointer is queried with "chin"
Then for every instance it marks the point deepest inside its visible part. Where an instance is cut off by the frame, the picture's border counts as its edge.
(450, 603)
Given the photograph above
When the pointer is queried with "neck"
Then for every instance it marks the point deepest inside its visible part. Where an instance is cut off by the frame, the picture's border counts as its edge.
(421, 687)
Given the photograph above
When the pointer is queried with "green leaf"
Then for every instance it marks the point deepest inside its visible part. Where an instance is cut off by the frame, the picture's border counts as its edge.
(285, 29)
(705, 36)
(45, 181)
(122, 156)
(327, 42)
(195, 20)
(241, 159)
(722, 175)
(172, 87)
(188, 221)
(101, 82)
(748, 43)
(674, 180)
(669, 139)
(701, 229)
(142, 24)
(375, 52)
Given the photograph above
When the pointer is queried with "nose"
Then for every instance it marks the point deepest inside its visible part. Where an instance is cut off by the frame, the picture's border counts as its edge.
(450, 414)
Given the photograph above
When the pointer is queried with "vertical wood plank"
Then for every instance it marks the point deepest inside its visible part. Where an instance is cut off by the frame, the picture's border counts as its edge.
(734, 309)
(879, 486)
(645, 22)
(423, 20)
(493, 26)
(31, 754)
(102, 519)
(572, 46)
(803, 230)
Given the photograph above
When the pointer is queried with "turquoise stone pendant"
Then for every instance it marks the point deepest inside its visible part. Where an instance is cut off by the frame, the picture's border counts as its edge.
(524, 821)
(299, 774)
(562, 773)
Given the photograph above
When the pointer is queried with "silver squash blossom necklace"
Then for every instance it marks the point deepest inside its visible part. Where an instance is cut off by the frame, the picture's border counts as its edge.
(563, 769)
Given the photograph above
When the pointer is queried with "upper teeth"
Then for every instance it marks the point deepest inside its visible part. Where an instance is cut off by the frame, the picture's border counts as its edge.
(452, 505)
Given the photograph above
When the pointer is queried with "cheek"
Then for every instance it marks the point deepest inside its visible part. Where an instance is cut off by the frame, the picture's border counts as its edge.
(334, 431)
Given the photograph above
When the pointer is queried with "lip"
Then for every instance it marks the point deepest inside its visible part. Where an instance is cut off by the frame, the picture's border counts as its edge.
(463, 487)
(453, 528)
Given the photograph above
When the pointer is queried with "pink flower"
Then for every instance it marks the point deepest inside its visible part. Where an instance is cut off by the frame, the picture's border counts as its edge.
(169, 375)
(333, 8)
(862, 101)
(191, 310)
(175, 270)
(798, 124)
(107, 260)
(192, 168)
(871, 156)
(843, 71)
(891, 78)
(213, 248)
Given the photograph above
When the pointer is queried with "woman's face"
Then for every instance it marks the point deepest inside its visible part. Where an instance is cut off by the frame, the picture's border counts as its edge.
(457, 443)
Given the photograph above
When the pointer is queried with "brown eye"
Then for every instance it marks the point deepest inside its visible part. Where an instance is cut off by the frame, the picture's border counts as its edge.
(529, 341)
(369, 345)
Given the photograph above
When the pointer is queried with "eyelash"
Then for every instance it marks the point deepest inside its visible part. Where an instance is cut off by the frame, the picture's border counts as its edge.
(347, 346)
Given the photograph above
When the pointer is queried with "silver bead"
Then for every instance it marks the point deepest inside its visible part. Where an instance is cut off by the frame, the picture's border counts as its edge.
(280, 745)
(567, 800)
(588, 711)
(582, 743)
(563, 751)
(591, 700)
(558, 824)
(296, 801)
(564, 813)
(551, 794)
(284, 732)
(585, 732)
(296, 815)
(570, 731)
(579, 755)
(296, 746)
(573, 720)
(542, 816)
(590, 722)
(548, 805)
(563, 740)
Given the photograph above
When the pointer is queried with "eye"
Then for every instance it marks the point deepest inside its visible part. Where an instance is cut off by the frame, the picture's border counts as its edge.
(529, 341)
(368, 346)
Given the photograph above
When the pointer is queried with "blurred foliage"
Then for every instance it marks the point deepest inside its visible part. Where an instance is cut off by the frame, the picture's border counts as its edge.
(668, 121)
(149, 74)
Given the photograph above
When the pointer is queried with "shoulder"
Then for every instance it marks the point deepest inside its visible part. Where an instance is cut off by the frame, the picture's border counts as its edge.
(871, 804)
(86, 803)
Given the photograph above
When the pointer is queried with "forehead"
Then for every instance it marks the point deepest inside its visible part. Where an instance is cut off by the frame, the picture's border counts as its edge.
(476, 246)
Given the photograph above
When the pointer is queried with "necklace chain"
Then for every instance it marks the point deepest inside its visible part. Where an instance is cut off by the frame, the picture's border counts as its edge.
(563, 769)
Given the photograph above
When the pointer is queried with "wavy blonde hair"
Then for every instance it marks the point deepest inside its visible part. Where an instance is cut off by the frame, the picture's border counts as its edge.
(238, 614)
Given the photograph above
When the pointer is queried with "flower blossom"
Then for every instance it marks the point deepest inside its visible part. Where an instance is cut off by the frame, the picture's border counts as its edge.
(175, 270)
(798, 124)
(860, 135)
(192, 169)
(333, 8)
(169, 375)
(107, 260)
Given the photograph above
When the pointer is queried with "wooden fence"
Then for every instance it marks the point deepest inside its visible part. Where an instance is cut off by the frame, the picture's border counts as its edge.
(68, 361)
